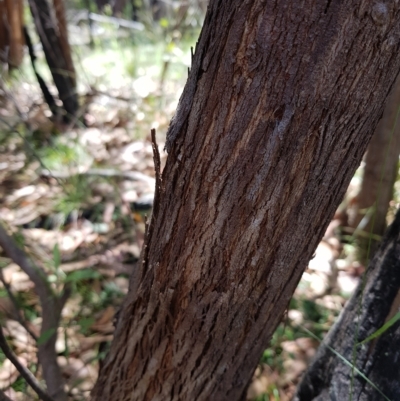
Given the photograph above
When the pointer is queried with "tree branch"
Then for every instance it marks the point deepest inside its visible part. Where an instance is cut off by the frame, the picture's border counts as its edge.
(51, 313)
(18, 256)
(25, 373)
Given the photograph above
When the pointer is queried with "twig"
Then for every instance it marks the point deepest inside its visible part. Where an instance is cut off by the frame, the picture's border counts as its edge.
(136, 275)
(157, 168)
(109, 20)
(103, 172)
(95, 92)
(25, 373)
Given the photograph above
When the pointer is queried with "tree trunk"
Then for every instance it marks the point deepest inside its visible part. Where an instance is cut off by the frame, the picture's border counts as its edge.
(11, 32)
(328, 378)
(101, 4)
(279, 106)
(371, 204)
(65, 48)
(57, 56)
(118, 7)
(158, 9)
(134, 10)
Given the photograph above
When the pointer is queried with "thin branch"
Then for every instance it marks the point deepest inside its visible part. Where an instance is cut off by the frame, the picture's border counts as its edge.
(51, 314)
(18, 313)
(102, 172)
(35, 273)
(25, 373)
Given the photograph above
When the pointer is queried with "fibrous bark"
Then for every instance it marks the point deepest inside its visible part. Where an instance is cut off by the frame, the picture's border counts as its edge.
(374, 303)
(280, 104)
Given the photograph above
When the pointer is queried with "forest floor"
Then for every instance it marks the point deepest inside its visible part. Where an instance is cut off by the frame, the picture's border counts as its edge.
(75, 200)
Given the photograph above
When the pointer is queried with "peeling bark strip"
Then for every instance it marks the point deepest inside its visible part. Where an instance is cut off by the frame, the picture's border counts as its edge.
(280, 104)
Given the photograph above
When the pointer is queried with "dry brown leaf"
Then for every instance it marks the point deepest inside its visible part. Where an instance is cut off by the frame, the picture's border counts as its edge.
(105, 323)
(88, 342)
(78, 371)
(293, 369)
(21, 338)
(18, 280)
(7, 308)
(9, 373)
(68, 336)
(263, 378)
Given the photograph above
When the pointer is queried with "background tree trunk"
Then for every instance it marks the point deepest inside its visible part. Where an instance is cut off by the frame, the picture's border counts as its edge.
(11, 32)
(328, 378)
(118, 7)
(158, 9)
(62, 31)
(135, 10)
(279, 107)
(52, 35)
(371, 204)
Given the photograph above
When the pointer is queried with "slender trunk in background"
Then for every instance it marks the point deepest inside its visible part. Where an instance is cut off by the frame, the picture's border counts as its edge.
(101, 3)
(65, 48)
(11, 32)
(280, 104)
(118, 7)
(328, 378)
(158, 9)
(52, 35)
(370, 206)
(134, 10)
(88, 5)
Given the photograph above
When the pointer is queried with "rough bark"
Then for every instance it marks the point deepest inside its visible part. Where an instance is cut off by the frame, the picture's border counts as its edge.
(380, 173)
(280, 104)
(328, 378)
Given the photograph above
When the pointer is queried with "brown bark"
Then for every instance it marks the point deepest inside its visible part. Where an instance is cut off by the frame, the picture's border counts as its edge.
(328, 378)
(11, 32)
(63, 38)
(118, 7)
(159, 9)
(51, 306)
(280, 104)
(371, 204)
(4, 37)
(49, 34)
